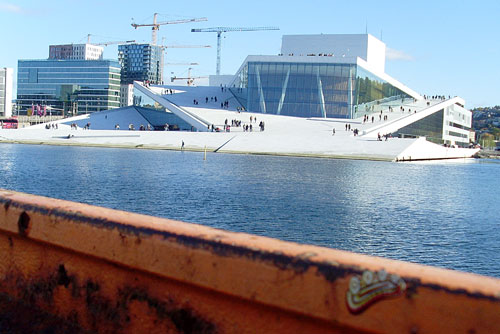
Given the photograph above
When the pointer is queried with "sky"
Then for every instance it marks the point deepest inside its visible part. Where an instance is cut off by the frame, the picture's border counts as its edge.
(433, 47)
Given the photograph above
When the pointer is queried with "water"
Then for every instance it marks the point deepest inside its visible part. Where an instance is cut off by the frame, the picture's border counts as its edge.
(443, 214)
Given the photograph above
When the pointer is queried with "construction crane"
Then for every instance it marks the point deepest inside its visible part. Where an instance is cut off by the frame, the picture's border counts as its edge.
(108, 43)
(189, 78)
(220, 30)
(183, 46)
(181, 64)
(156, 25)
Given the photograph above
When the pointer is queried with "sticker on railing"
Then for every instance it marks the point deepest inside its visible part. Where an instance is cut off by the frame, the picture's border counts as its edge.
(371, 287)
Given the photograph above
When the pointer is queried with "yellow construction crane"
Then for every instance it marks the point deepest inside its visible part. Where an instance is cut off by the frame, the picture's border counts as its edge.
(156, 25)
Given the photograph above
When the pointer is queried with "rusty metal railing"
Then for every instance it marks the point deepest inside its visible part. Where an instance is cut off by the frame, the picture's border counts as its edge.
(75, 268)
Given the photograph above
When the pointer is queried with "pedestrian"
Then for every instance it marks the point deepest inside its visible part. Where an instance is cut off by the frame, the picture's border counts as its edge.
(333, 132)
(182, 145)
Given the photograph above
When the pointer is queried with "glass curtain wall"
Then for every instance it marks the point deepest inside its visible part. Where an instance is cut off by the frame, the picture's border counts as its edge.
(296, 89)
(325, 90)
(162, 115)
(68, 86)
(430, 127)
(372, 91)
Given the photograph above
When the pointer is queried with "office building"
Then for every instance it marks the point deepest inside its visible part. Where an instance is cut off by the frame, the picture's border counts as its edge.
(76, 52)
(6, 92)
(126, 95)
(141, 62)
(68, 86)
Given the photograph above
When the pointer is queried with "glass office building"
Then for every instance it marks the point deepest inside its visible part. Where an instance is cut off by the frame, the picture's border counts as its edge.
(311, 89)
(141, 62)
(68, 86)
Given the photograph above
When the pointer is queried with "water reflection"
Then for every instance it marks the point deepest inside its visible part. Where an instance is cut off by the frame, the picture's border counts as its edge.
(433, 213)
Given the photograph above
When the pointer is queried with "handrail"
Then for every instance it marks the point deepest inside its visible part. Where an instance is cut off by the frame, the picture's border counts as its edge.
(105, 271)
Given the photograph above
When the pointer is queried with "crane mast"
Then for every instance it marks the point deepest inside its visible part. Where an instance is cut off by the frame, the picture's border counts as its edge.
(220, 30)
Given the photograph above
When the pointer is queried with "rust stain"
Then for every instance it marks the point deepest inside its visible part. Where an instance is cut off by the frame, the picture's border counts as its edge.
(104, 312)
(23, 224)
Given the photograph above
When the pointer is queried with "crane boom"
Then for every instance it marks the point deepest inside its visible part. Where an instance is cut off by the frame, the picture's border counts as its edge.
(183, 46)
(107, 43)
(220, 30)
(114, 42)
(156, 25)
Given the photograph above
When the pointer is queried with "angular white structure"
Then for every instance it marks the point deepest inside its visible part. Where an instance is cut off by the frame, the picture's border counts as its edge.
(324, 96)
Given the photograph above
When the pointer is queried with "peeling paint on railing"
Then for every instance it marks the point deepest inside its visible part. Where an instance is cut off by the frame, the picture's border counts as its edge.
(70, 267)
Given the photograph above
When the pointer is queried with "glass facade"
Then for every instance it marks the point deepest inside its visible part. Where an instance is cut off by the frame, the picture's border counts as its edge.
(370, 91)
(68, 86)
(430, 127)
(326, 90)
(141, 62)
(144, 101)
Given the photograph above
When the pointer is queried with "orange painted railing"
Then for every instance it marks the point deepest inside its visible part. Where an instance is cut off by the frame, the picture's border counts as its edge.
(69, 267)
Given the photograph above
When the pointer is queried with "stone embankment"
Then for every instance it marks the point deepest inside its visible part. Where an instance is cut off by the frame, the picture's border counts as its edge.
(488, 154)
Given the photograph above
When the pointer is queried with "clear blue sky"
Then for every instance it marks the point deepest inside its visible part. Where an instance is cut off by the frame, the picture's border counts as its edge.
(437, 47)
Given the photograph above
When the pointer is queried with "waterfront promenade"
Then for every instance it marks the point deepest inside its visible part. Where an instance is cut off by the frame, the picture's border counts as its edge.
(282, 135)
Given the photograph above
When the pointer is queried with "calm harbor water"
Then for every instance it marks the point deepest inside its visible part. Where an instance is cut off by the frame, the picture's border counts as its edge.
(443, 213)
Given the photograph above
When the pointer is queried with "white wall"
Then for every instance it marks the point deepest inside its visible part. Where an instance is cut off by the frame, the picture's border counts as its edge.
(376, 53)
(364, 46)
(8, 92)
(6, 88)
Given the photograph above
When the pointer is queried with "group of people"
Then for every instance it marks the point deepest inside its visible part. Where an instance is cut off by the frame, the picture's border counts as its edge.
(131, 127)
(379, 137)
(238, 123)
(436, 97)
(51, 126)
(212, 99)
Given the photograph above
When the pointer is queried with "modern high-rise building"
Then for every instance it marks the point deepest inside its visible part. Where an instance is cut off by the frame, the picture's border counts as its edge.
(68, 86)
(6, 92)
(76, 51)
(141, 62)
